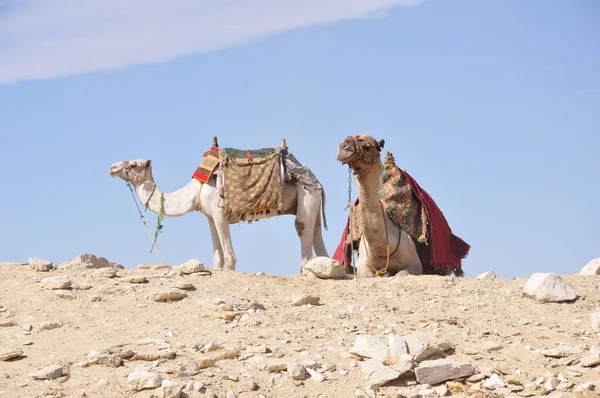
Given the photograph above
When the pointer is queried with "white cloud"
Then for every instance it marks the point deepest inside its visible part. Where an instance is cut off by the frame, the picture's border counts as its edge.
(53, 38)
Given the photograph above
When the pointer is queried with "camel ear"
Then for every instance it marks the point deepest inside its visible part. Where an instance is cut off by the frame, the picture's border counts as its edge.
(148, 163)
(380, 144)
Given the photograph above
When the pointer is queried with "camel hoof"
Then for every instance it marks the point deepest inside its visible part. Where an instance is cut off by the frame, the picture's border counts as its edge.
(402, 273)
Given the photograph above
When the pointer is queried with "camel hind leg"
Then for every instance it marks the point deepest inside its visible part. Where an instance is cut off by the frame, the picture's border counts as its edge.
(308, 206)
(318, 244)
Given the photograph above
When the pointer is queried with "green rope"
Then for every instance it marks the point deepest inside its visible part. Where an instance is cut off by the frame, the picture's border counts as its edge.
(161, 216)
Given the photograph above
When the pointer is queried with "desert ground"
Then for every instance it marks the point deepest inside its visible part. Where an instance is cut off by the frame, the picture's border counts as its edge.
(89, 328)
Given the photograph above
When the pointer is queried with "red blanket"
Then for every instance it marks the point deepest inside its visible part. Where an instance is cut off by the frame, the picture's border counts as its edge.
(444, 251)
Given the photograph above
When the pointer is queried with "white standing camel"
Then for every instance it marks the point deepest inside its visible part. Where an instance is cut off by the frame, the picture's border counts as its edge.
(306, 205)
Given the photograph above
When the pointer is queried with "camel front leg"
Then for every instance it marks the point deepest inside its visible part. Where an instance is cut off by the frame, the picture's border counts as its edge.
(217, 248)
(222, 227)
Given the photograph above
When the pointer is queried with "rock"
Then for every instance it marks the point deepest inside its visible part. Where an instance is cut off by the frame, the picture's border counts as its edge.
(80, 286)
(189, 267)
(107, 358)
(40, 265)
(169, 389)
(191, 368)
(592, 268)
(403, 364)
(168, 297)
(49, 325)
(49, 373)
(486, 275)
(230, 394)
(592, 359)
(377, 373)
(397, 348)
(184, 286)
(494, 382)
(141, 378)
(153, 356)
(560, 352)
(205, 363)
(93, 261)
(278, 365)
(595, 318)
(439, 370)
(5, 354)
(324, 268)
(137, 279)
(315, 375)
(548, 287)
(296, 370)
(424, 345)
(306, 299)
(551, 384)
(369, 346)
(56, 282)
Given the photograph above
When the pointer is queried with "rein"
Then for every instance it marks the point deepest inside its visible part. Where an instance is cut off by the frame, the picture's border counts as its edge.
(143, 219)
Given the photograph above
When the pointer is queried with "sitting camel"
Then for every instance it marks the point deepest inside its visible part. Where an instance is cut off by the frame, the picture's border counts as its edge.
(305, 204)
(383, 242)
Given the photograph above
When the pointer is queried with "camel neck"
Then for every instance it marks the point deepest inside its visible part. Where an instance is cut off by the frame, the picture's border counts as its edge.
(371, 214)
(176, 204)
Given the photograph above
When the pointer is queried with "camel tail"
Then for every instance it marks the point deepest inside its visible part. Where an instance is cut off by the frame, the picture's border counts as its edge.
(323, 198)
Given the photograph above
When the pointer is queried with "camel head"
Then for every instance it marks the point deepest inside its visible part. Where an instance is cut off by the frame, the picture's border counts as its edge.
(360, 152)
(134, 171)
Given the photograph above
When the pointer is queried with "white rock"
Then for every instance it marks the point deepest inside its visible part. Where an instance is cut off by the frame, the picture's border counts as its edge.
(169, 389)
(190, 267)
(39, 264)
(551, 384)
(592, 268)
(549, 287)
(560, 352)
(486, 275)
(93, 261)
(377, 373)
(404, 364)
(141, 378)
(49, 325)
(189, 369)
(169, 297)
(305, 299)
(315, 375)
(369, 346)
(56, 282)
(494, 382)
(439, 370)
(324, 268)
(278, 365)
(595, 318)
(424, 345)
(592, 359)
(6, 354)
(49, 373)
(397, 348)
(296, 370)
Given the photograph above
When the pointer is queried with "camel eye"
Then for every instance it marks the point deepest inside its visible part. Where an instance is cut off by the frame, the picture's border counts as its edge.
(368, 147)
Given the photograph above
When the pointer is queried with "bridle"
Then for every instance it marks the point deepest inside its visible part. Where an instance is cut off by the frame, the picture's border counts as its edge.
(137, 179)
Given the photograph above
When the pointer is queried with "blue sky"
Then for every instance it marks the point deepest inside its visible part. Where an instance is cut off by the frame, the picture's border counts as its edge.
(494, 107)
